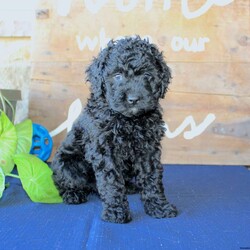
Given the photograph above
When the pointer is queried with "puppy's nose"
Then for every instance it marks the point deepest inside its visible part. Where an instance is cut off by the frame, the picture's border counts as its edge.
(133, 99)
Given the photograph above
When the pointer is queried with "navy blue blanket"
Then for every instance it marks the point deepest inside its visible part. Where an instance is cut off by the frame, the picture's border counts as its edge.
(213, 201)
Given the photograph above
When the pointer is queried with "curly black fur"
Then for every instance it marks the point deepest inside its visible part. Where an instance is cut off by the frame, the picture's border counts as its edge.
(114, 145)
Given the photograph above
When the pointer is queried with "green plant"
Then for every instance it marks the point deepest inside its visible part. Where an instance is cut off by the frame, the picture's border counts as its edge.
(35, 175)
(4, 102)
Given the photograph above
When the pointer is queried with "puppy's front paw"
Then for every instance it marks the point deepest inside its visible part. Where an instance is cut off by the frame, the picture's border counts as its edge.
(160, 210)
(116, 215)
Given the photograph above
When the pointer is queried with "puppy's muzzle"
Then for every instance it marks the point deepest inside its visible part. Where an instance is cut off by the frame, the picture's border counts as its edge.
(133, 99)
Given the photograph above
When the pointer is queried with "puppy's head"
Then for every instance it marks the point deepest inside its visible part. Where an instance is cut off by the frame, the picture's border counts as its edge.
(131, 75)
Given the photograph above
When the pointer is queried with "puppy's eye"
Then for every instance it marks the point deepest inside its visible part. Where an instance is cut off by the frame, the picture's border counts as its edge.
(146, 74)
(118, 77)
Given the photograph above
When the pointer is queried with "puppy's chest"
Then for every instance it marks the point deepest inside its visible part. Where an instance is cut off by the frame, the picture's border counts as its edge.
(131, 140)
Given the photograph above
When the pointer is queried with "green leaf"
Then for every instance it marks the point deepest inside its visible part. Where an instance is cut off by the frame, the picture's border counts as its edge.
(2, 182)
(36, 178)
(8, 143)
(24, 136)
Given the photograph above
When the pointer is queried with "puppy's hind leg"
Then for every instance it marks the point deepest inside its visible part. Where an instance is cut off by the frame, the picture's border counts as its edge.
(72, 182)
(72, 174)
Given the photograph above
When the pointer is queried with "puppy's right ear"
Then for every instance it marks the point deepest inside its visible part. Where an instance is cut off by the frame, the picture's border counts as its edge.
(96, 70)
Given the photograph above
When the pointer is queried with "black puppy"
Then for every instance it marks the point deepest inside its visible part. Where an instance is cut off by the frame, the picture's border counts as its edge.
(114, 145)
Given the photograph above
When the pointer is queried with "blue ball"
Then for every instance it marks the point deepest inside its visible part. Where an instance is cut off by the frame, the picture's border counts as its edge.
(42, 143)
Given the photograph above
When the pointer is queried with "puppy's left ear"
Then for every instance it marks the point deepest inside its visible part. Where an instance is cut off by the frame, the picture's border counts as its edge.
(163, 69)
(96, 70)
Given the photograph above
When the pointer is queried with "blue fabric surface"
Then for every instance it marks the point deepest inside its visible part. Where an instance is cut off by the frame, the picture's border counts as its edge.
(214, 205)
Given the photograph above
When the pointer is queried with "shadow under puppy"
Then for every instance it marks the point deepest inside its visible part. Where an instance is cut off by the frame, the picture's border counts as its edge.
(114, 145)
